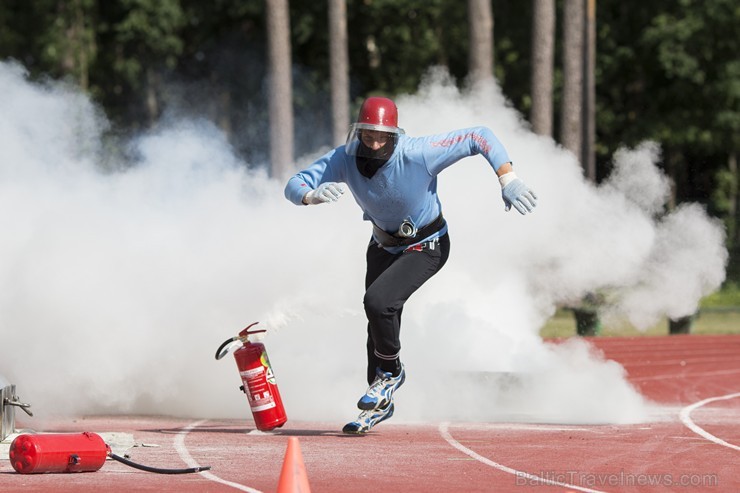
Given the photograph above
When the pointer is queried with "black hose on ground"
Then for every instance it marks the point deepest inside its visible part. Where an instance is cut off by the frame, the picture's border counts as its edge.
(157, 469)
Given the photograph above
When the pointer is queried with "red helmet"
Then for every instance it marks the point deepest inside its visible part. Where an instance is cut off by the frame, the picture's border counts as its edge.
(379, 111)
(376, 114)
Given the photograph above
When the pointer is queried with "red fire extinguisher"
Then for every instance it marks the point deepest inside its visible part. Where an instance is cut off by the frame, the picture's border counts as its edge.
(258, 379)
(58, 452)
(71, 452)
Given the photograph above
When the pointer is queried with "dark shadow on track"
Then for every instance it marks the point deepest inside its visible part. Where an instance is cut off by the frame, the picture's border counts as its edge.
(246, 431)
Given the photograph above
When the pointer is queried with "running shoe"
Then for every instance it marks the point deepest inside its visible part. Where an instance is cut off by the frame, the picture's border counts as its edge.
(367, 419)
(380, 392)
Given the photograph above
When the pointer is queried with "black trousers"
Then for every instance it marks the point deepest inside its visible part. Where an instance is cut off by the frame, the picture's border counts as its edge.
(390, 280)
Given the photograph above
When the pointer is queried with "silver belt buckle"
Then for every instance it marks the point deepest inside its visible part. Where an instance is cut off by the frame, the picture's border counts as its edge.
(407, 229)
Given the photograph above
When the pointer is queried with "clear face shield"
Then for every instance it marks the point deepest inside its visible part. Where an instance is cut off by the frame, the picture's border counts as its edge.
(372, 141)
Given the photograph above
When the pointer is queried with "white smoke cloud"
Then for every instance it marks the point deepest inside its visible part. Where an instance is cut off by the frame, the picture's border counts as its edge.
(116, 287)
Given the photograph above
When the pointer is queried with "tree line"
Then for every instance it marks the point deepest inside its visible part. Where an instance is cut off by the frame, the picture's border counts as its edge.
(665, 70)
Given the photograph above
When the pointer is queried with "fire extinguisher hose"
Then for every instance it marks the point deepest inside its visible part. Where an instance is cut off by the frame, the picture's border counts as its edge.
(223, 350)
(158, 469)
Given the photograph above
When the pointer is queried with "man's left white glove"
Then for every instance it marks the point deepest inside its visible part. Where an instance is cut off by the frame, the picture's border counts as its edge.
(326, 192)
(515, 193)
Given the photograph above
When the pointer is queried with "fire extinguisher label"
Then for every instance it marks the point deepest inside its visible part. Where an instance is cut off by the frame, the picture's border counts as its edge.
(258, 391)
(266, 363)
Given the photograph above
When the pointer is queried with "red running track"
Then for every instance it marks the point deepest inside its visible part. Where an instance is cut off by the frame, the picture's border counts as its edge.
(695, 448)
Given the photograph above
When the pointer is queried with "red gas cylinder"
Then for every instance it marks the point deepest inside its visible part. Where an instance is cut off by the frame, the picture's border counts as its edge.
(58, 452)
(258, 380)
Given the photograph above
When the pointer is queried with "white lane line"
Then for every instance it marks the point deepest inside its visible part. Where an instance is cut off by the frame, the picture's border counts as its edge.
(685, 416)
(443, 430)
(670, 376)
(184, 454)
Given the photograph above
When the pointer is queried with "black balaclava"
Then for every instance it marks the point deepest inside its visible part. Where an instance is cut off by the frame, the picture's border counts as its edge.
(369, 161)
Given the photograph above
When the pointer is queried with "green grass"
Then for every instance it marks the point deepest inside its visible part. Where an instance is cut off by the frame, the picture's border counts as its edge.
(711, 320)
(719, 313)
(728, 296)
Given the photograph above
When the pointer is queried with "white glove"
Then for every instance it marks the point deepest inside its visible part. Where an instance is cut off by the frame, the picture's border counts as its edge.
(515, 193)
(326, 192)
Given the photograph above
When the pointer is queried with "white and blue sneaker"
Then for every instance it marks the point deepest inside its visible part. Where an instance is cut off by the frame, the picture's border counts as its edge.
(367, 419)
(380, 392)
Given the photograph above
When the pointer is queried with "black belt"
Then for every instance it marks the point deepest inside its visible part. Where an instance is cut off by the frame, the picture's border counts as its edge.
(388, 240)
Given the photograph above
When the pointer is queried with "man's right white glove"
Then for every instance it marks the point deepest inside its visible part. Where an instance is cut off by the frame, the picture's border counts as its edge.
(326, 192)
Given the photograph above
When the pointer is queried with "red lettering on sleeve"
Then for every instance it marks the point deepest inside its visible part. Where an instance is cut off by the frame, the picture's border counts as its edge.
(485, 147)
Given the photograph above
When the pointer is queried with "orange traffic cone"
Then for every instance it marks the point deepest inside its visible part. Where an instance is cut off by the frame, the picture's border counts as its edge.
(293, 477)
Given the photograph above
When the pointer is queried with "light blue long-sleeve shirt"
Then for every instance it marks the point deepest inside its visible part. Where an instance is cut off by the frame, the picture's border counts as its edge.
(405, 187)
